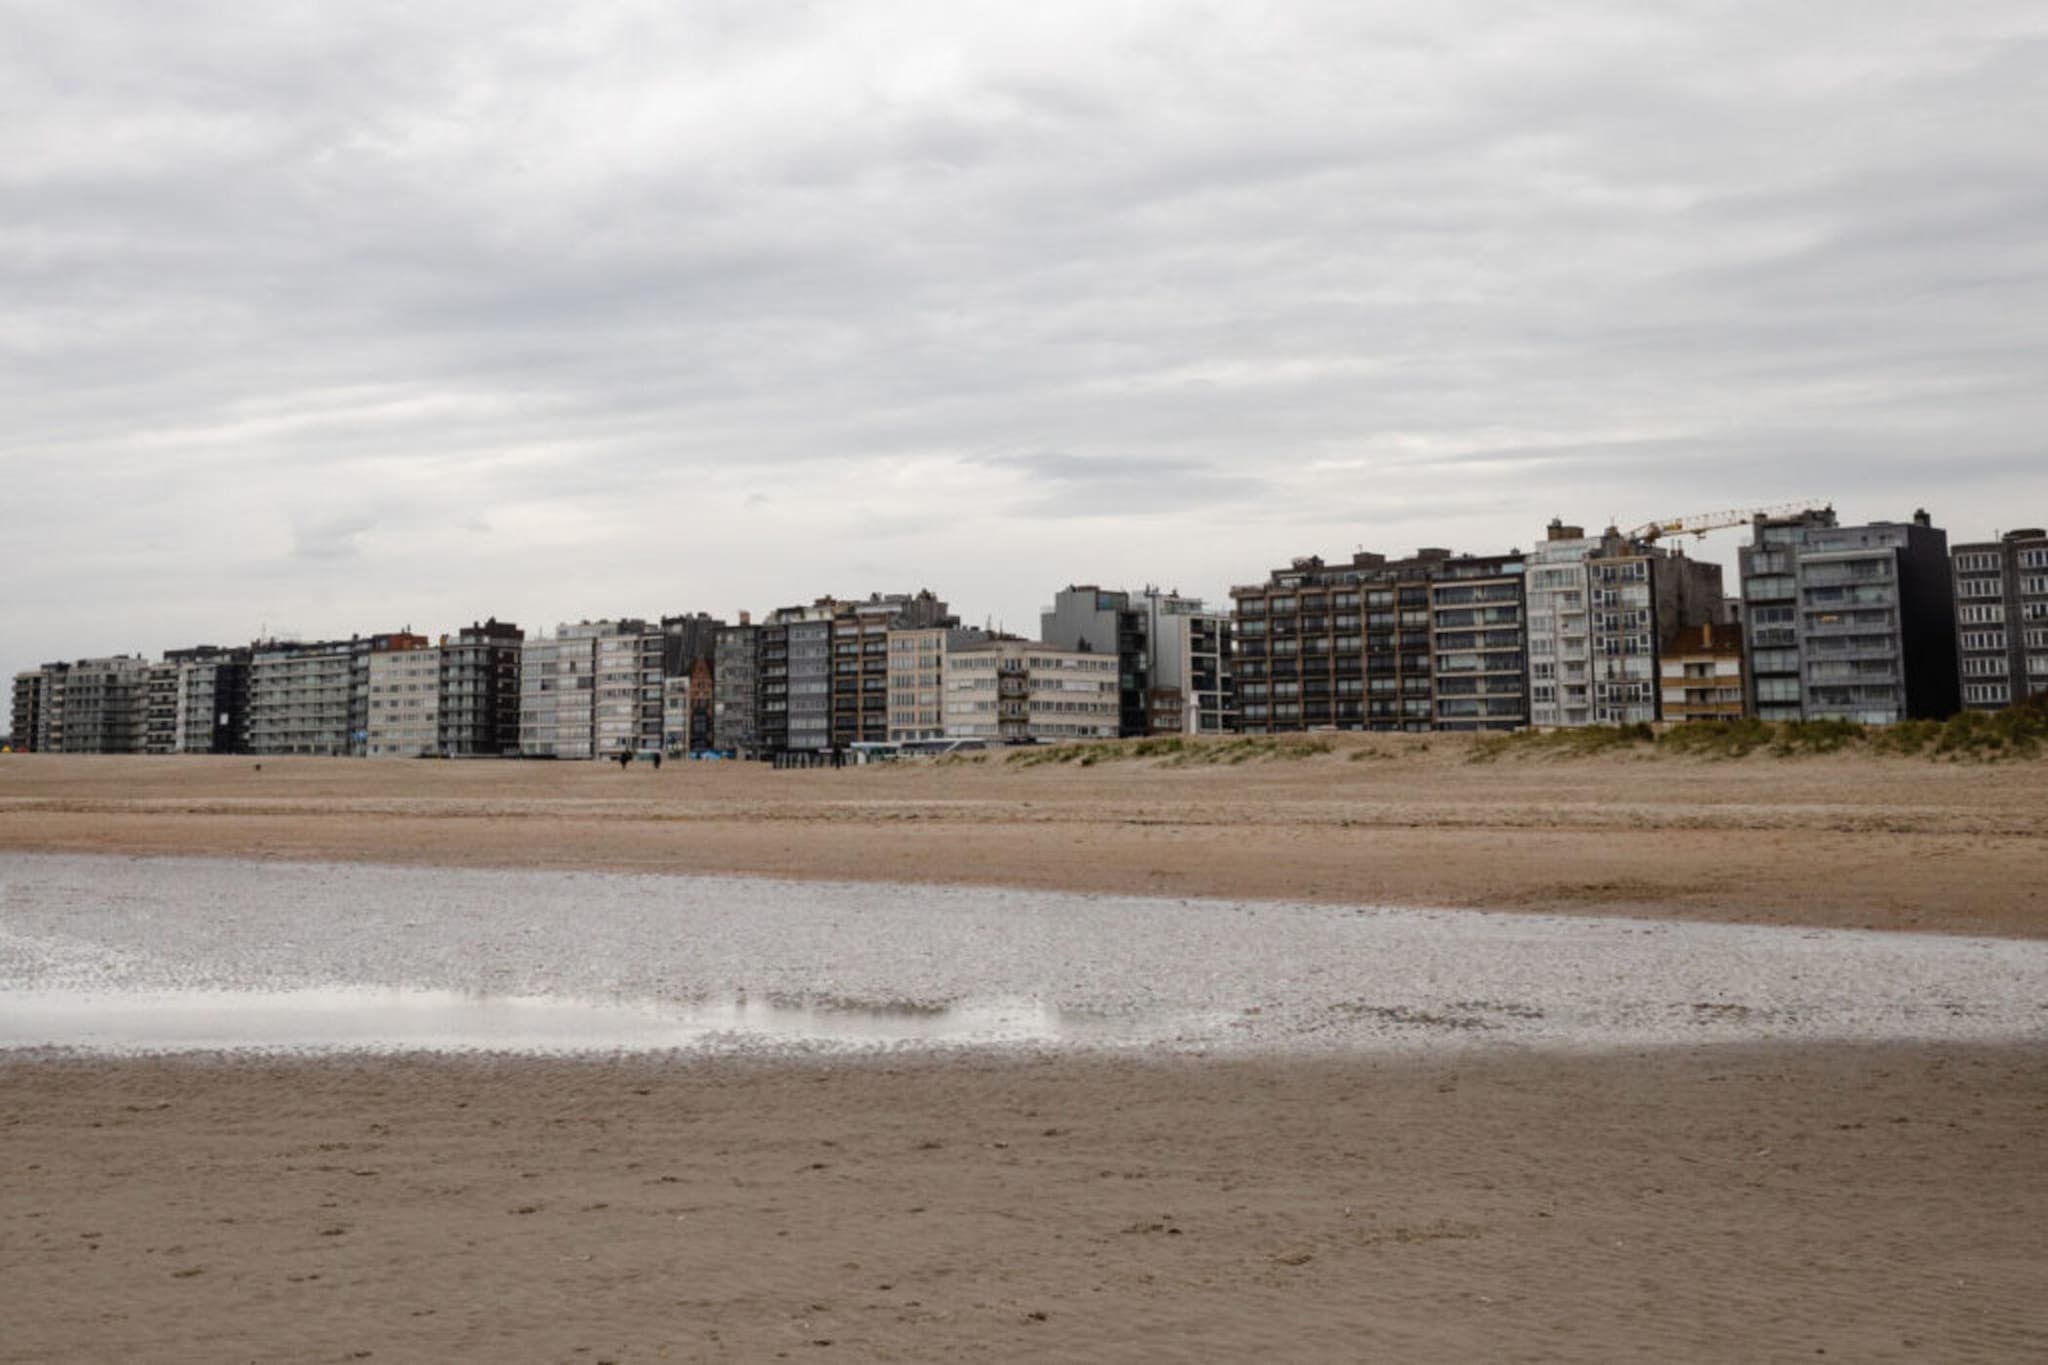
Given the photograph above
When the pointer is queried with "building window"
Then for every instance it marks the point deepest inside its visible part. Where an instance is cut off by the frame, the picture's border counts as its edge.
(1768, 588)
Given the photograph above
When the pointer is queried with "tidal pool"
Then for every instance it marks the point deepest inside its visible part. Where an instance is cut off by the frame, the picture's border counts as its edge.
(114, 953)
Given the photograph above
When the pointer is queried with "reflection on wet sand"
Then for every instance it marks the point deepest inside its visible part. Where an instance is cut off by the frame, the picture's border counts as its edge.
(365, 1018)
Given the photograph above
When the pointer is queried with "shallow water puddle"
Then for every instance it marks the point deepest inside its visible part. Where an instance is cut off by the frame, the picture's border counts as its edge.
(353, 1018)
(140, 954)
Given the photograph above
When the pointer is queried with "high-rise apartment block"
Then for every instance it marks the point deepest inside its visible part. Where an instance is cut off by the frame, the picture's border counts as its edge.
(809, 635)
(160, 709)
(627, 704)
(314, 698)
(104, 706)
(1190, 660)
(1437, 641)
(813, 678)
(558, 689)
(1096, 620)
(1849, 622)
(771, 721)
(213, 699)
(736, 653)
(860, 659)
(917, 678)
(1599, 606)
(404, 704)
(35, 705)
(479, 700)
(299, 697)
(1173, 655)
(2001, 589)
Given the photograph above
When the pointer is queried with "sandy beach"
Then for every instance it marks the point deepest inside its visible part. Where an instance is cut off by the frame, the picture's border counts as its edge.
(1797, 1204)
(1730, 1201)
(1849, 841)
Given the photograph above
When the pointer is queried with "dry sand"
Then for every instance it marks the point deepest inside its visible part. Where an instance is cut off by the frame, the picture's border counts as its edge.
(1730, 1202)
(1714, 1204)
(1846, 841)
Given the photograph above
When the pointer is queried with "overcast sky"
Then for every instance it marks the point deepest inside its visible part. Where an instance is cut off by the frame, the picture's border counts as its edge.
(320, 318)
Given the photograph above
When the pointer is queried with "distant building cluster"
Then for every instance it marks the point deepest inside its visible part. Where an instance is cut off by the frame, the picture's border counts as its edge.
(1874, 623)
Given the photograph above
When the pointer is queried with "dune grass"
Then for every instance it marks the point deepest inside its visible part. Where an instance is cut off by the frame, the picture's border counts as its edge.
(2016, 732)
(1178, 751)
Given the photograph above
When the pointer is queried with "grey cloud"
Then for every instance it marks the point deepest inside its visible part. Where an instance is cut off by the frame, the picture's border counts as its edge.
(1045, 295)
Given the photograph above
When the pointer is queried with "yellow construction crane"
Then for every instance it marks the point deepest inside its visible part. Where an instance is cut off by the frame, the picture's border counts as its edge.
(1703, 522)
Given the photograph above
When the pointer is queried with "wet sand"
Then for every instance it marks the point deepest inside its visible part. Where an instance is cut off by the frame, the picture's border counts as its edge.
(1732, 1202)
(1677, 1204)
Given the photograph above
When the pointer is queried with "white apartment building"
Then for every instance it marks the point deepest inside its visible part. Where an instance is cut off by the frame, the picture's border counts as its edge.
(405, 703)
(626, 698)
(917, 678)
(558, 716)
(1599, 608)
(1022, 690)
(299, 698)
(1561, 629)
(2001, 593)
(1193, 690)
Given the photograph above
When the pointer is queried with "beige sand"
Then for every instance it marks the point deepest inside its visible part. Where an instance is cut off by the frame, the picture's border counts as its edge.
(1736, 1204)
(1851, 841)
(1681, 1205)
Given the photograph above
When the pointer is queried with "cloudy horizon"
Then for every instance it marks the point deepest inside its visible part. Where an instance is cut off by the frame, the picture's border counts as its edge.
(321, 320)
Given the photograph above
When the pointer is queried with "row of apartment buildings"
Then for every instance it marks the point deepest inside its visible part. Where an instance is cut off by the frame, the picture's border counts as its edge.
(827, 675)
(368, 695)
(1875, 622)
